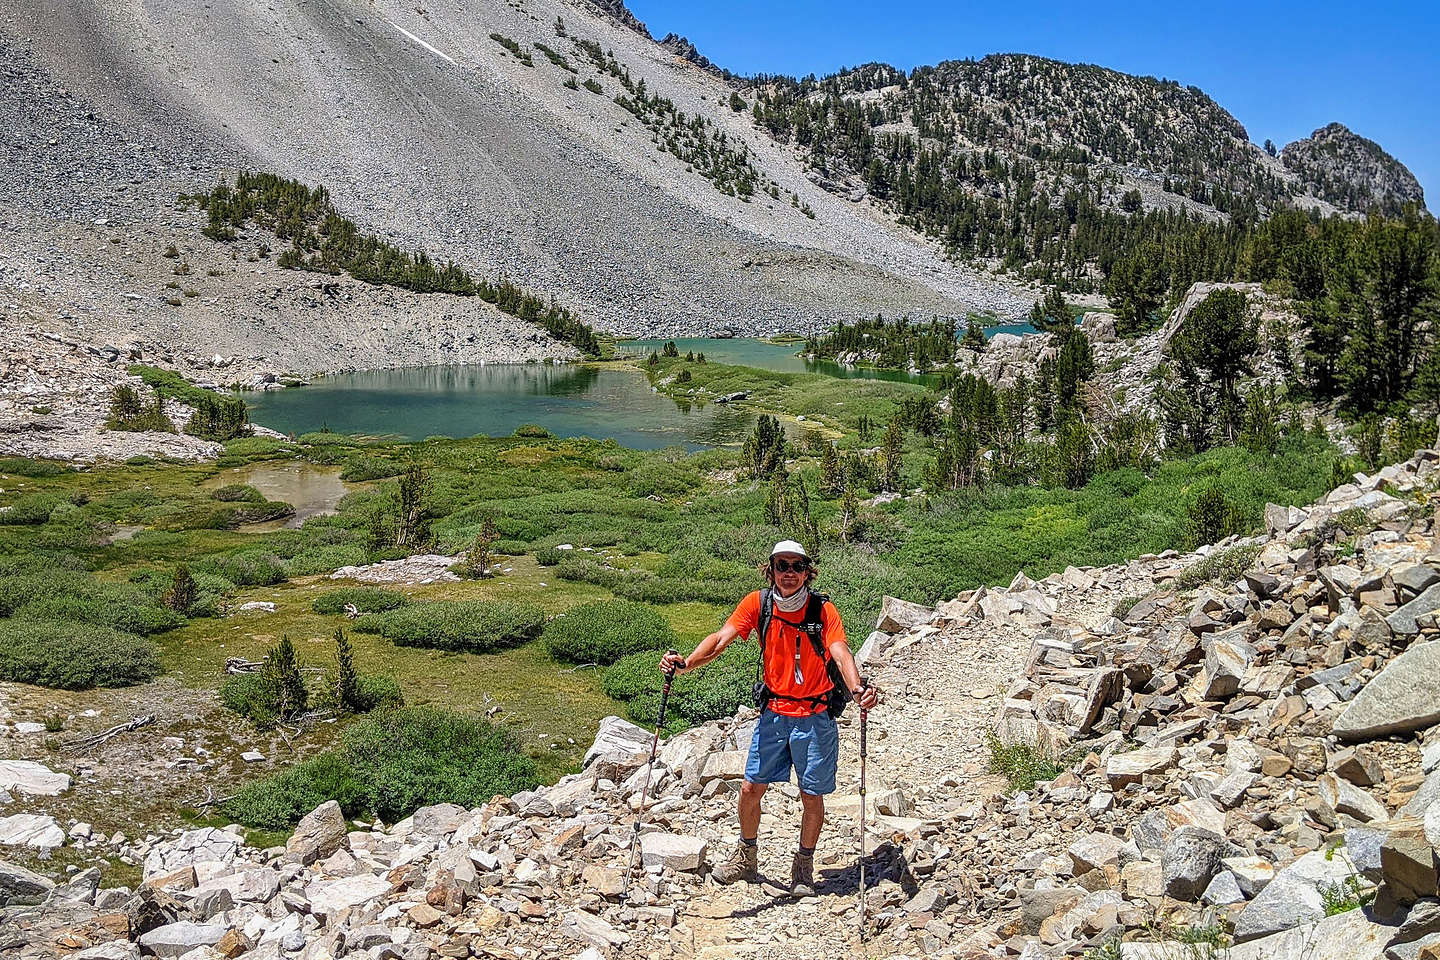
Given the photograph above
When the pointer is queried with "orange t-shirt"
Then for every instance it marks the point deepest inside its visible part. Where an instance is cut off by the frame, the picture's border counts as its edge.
(781, 646)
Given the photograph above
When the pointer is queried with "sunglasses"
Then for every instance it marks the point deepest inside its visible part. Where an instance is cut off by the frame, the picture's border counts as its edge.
(785, 566)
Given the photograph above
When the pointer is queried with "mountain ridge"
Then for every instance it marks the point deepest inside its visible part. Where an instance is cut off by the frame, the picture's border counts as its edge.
(658, 197)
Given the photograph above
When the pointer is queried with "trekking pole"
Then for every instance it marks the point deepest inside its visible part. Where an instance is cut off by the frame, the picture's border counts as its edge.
(864, 718)
(649, 768)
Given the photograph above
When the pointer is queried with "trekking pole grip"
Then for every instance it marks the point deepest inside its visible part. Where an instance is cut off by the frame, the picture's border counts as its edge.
(670, 668)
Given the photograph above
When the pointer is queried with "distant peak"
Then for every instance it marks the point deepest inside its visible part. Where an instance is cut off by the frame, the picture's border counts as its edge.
(616, 10)
(1352, 172)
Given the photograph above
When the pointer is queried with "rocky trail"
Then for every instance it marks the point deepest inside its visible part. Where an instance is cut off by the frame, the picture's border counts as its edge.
(1233, 753)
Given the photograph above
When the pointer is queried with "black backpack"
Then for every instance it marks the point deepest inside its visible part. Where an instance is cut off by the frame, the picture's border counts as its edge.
(813, 626)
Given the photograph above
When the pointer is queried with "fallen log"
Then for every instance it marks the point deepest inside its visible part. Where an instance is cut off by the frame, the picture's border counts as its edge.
(86, 743)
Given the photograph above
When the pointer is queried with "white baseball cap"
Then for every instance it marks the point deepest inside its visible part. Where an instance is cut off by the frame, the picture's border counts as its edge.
(789, 546)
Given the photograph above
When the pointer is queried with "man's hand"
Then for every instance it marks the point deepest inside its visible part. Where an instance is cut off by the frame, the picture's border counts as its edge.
(867, 697)
(672, 662)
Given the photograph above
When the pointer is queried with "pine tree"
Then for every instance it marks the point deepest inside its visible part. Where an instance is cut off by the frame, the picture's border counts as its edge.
(832, 477)
(1074, 366)
(1052, 315)
(281, 680)
(974, 336)
(1213, 348)
(412, 529)
(347, 682)
(764, 450)
(893, 465)
(183, 591)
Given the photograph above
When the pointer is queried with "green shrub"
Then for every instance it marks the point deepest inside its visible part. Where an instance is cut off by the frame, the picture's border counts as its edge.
(79, 598)
(129, 411)
(26, 467)
(1224, 566)
(359, 469)
(1213, 516)
(1022, 764)
(364, 599)
(238, 493)
(274, 694)
(31, 508)
(248, 568)
(74, 656)
(390, 763)
(549, 556)
(603, 631)
(323, 559)
(532, 431)
(713, 692)
(245, 449)
(246, 694)
(376, 691)
(474, 626)
(660, 478)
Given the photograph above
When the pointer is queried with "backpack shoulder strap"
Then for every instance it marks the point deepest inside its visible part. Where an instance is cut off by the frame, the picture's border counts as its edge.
(767, 613)
(815, 623)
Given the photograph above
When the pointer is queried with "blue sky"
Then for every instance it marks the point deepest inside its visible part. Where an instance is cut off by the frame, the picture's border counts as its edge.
(1283, 69)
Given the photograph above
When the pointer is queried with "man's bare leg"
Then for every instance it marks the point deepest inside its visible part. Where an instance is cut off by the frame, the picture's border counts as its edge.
(811, 819)
(750, 795)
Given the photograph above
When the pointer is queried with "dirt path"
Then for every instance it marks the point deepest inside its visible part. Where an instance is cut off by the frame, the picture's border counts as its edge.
(929, 742)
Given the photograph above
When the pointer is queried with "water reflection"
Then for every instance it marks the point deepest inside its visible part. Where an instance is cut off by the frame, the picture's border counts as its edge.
(495, 399)
(312, 490)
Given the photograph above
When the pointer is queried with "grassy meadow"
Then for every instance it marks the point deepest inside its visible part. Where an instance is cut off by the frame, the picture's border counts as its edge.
(90, 555)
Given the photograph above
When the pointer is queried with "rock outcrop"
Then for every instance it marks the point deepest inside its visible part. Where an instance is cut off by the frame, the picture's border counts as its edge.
(1352, 172)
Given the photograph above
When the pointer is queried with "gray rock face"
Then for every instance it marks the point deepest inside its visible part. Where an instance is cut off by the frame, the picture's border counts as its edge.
(618, 740)
(1346, 798)
(29, 777)
(31, 830)
(1191, 859)
(1338, 164)
(1414, 580)
(1404, 620)
(81, 887)
(438, 820)
(178, 939)
(1346, 936)
(318, 834)
(19, 887)
(1404, 697)
(1131, 767)
(1223, 890)
(1292, 898)
(335, 895)
(114, 950)
(673, 851)
(898, 615)
(206, 845)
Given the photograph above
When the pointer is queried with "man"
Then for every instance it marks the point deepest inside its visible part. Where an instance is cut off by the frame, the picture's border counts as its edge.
(795, 728)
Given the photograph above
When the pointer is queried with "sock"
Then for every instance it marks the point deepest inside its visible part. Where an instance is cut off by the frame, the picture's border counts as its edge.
(807, 852)
(753, 841)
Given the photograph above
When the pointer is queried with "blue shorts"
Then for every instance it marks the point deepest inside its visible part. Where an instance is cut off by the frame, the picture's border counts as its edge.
(809, 744)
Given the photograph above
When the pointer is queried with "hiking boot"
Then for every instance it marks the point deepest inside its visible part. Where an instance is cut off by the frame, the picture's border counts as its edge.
(802, 876)
(744, 864)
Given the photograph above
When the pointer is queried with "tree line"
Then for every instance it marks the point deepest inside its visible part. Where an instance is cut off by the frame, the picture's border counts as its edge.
(323, 240)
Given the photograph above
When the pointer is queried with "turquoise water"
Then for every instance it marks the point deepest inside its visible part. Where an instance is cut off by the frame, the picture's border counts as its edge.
(569, 401)
(462, 401)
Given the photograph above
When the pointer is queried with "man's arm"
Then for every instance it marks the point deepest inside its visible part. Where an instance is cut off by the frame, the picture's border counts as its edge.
(867, 697)
(708, 649)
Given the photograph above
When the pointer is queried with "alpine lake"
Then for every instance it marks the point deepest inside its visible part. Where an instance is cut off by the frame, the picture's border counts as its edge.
(599, 400)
